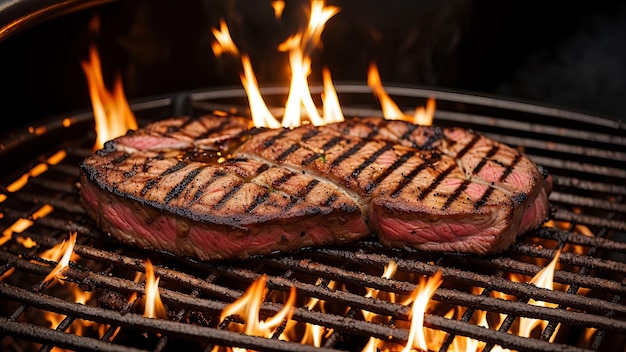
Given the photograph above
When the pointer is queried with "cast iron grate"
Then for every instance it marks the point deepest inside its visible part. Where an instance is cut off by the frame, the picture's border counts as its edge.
(583, 153)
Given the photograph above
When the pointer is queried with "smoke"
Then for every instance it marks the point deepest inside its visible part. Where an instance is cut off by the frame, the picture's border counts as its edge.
(585, 71)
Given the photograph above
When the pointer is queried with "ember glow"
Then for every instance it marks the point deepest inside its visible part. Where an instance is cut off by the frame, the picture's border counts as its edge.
(36, 170)
(21, 224)
(111, 111)
(113, 118)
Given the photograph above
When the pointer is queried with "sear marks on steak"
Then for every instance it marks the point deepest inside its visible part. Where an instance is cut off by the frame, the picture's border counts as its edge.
(215, 188)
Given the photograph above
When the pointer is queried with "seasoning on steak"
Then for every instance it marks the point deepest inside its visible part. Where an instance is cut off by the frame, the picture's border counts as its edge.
(215, 188)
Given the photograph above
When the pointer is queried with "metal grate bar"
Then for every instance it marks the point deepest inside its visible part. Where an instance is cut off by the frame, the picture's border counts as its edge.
(588, 190)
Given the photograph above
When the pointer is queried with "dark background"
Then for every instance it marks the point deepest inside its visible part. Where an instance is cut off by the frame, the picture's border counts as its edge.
(559, 53)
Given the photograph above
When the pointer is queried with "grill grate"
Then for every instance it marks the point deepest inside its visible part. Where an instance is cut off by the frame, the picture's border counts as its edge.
(583, 154)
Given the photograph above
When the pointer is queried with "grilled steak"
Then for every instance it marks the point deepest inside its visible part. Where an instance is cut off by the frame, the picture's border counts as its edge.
(214, 188)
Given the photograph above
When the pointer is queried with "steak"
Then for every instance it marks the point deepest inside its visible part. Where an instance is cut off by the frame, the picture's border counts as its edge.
(216, 188)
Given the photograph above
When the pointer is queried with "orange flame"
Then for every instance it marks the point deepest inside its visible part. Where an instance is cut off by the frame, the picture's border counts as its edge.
(299, 93)
(111, 110)
(153, 306)
(424, 115)
(67, 248)
(299, 47)
(330, 101)
(420, 299)
(224, 42)
(464, 343)
(248, 307)
(375, 344)
(300, 104)
(278, 7)
(543, 279)
(391, 111)
(421, 296)
(313, 334)
(299, 100)
(261, 115)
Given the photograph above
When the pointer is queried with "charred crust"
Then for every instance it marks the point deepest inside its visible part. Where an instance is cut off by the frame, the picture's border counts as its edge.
(327, 210)
(436, 135)
(172, 129)
(252, 132)
(149, 184)
(543, 172)
(129, 174)
(518, 199)
(109, 147)
(349, 209)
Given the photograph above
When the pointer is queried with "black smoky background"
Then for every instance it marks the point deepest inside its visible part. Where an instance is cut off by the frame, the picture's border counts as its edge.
(564, 54)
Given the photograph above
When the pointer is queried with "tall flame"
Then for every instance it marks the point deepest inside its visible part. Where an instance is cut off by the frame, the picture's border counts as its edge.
(299, 46)
(330, 101)
(261, 115)
(111, 110)
(299, 93)
(391, 110)
(421, 295)
(544, 279)
(300, 105)
(153, 306)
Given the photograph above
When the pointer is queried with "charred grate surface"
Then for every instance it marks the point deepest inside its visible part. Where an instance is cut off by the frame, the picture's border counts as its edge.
(585, 310)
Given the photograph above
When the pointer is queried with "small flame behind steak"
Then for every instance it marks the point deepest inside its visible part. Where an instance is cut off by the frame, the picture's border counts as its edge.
(215, 188)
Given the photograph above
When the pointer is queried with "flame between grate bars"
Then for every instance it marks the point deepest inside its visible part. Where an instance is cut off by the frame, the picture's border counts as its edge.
(584, 311)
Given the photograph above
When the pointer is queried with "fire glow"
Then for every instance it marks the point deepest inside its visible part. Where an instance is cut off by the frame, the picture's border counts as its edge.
(248, 308)
(244, 315)
(111, 111)
(300, 107)
(62, 253)
(153, 306)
